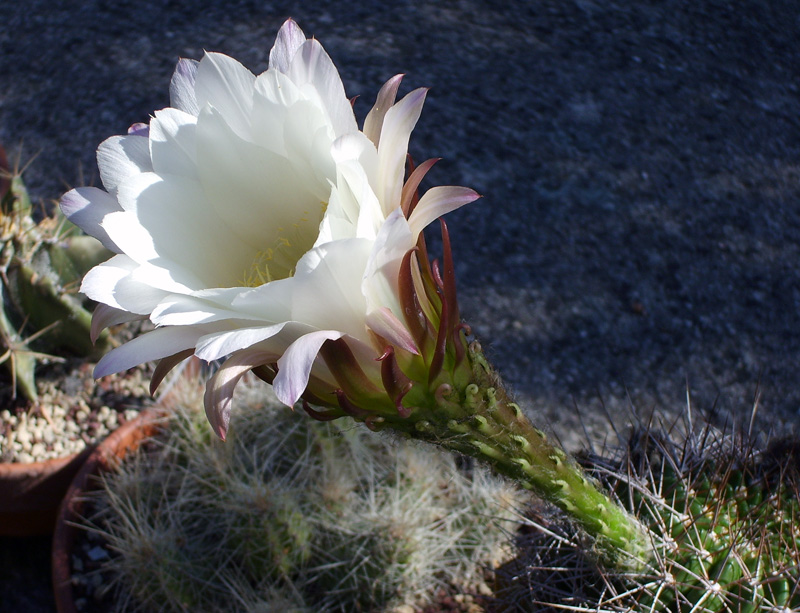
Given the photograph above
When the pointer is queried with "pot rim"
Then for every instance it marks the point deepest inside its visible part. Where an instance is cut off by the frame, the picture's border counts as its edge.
(104, 457)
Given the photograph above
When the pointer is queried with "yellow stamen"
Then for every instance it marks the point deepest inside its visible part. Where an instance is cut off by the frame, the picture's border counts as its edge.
(280, 260)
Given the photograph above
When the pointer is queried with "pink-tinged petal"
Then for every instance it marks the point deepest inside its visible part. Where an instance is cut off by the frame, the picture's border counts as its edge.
(219, 389)
(219, 344)
(397, 126)
(436, 202)
(384, 323)
(139, 129)
(120, 157)
(226, 85)
(294, 366)
(154, 345)
(386, 97)
(105, 316)
(312, 66)
(164, 366)
(290, 39)
(412, 183)
(86, 207)
(181, 88)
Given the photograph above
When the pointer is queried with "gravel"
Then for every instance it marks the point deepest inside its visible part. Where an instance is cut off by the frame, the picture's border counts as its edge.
(71, 413)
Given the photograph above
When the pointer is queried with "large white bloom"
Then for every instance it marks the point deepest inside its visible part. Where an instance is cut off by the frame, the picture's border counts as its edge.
(253, 221)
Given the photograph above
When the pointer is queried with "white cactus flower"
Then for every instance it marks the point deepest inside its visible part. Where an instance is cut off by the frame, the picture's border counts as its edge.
(253, 221)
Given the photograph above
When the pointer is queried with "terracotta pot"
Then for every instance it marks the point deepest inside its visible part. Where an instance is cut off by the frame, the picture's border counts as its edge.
(104, 457)
(31, 492)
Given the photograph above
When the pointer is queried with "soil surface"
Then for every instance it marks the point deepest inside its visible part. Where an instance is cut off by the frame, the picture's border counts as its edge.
(639, 162)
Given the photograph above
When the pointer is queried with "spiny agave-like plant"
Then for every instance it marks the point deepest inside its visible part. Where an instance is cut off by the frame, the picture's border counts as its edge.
(41, 263)
(724, 515)
(296, 515)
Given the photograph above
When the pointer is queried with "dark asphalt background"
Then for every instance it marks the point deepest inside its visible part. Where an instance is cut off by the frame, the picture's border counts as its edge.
(639, 161)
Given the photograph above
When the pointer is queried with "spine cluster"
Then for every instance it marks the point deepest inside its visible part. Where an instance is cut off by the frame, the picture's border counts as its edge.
(723, 514)
(41, 264)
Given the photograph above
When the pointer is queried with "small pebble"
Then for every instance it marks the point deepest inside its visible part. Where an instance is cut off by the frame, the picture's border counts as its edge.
(97, 553)
(23, 436)
(72, 421)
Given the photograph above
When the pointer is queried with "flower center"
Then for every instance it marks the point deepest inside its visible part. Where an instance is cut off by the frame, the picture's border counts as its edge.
(279, 260)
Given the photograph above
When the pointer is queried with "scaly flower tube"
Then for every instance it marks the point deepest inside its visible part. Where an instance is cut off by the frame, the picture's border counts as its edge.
(254, 222)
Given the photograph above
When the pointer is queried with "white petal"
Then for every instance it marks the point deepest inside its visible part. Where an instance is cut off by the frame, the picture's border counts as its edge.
(308, 138)
(384, 323)
(200, 307)
(172, 142)
(436, 202)
(219, 389)
(219, 344)
(290, 39)
(380, 283)
(227, 86)
(181, 88)
(274, 94)
(112, 283)
(120, 157)
(257, 193)
(313, 71)
(86, 207)
(294, 366)
(151, 346)
(386, 96)
(269, 302)
(332, 271)
(170, 222)
(352, 198)
(105, 316)
(393, 148)
(130, 236)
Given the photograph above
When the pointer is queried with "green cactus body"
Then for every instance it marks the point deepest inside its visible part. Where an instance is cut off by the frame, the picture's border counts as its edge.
(40, 267)
(336, 517)
(725, 520)
(734, 541)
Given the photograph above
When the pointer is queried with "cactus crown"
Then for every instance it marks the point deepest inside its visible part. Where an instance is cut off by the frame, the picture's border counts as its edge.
(321, 517)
